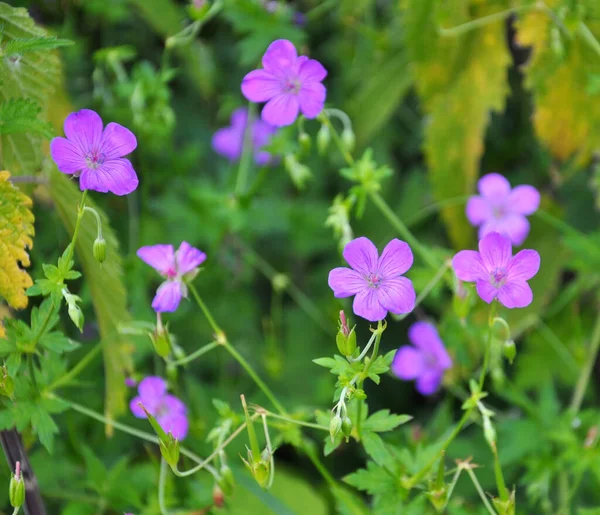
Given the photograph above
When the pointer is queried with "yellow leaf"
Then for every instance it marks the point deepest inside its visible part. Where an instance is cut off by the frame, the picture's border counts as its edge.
(4, 314)
(567, 114)
(16, 230)
(461, 79)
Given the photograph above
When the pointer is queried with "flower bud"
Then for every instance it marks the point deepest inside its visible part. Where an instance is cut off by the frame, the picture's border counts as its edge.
(298, 172)
(510, 350)
(335, 425)
(305, 142)
(99, 249)
(16, 489)
(169, 448)
(218, 497)
(160, 339)
(346, 344)
(261, 473)
(73, 309)
(226, 481)
(348, 139)
(323, 139)
(347, 427)
(489, 432)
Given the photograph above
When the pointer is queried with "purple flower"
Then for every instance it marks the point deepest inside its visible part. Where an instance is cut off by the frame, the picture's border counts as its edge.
(376, 281)
(496, 273)
(500, 209)
(169, 411)
(96, 155)
(287, 83)
(425, 361)
(229, 141)
(130, 382)
(176, 267)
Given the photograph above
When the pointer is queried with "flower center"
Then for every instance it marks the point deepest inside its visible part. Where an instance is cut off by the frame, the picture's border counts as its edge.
(292, 86)
(162, 409)
(499, 212)
(498, 277)
(374, 280)
(171, 273)
(94, 159)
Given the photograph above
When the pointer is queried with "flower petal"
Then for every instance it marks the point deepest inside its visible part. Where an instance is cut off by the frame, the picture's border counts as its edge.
(260, 86)
(159, 257)
(188, 258)
(228, 142)
(486, 290)
(168, 296)
(174, 404)
(397, 295)
(516, 227)
(395, 259)
(524, 200)
(346, 282)
(408, 363)
(425, 336)
(494, 186)
(84, 128)
(136, 410)
(361, 255)
(116, 176)
(366, 305)
(151, 390)
(312, 98)
(281, 110)
(523, 266)
(515, 294)
(468, 266)
(478, 210)
(117, 141)
(67, 155)
(311, 70)
(428, 383)
(175, 423)
(239, 118)
(495, 250)
(280, 56)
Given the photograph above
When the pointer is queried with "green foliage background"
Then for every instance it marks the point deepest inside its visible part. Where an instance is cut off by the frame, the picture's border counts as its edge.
(443, 92)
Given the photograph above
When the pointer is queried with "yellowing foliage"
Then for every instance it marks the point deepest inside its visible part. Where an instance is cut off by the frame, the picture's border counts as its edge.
(16, 230)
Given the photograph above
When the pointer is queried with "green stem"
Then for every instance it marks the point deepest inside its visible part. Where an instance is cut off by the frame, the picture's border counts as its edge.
(297, 422)
(336, 139)
(162, 479)
(196, 354)
(586, 372)
(76, 370)
(387, 212)
(488, 346)
(16, 510)
(500, 483)
(80, 213)
(365, 374)
(269, 451)
(31, 367)
(451, 486)
(480, 491)
(218, 331)
(246, 159)
(481, 22)
(88, 209)
(259, 382)
(588, 37)
(430, 286)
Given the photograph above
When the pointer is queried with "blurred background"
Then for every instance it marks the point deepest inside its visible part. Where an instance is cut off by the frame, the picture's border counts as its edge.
(443, 92)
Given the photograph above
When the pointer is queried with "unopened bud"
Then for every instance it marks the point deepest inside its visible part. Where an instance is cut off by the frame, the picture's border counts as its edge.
(305, 142)
(99, 249)
(16, 489)
(218, 497)
(335, 425)
(76, 315)
(298, 172)
(348, 139)
(226, 481)
(510, 350)
(489, 432)
(169, 448)
(323, 139)
(160, 339)
(346, 344)
(347, 427)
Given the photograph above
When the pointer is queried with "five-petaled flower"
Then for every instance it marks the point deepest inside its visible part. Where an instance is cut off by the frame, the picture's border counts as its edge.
(287, 83)
(496, 273)
(96, 155)
(376, 281)
(229, 141)
(426, 360)
(169, 411)
(500, 209)
(177, 267)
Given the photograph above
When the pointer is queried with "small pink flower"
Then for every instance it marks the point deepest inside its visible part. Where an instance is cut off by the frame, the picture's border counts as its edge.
(496, 273)
(500, 209)
(95, 155)
(376, 281)
(175, 267)
(287, 83)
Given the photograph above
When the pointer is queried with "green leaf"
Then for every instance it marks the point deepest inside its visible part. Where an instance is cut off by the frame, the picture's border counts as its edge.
(376, 449)
(108, 294)
(21, 116)
(325, 362)
(58, 342)
(26, 45)
(461, 79)
(32, 76)
(44, 427)
(374, 480)
(96, 472)
(382, 420)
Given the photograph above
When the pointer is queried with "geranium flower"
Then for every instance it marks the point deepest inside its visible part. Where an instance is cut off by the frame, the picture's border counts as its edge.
(176, 267)
(426, 360)
(496, 273)
(287, 83)
(500, 209)
(229, 141)
(169, 411)
(376, 281)
(96, 155)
